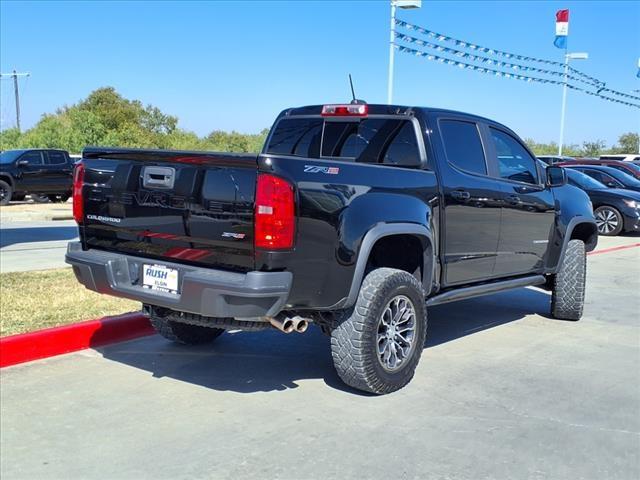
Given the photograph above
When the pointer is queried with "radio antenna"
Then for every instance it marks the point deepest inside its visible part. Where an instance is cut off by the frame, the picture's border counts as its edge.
(355, 101)
(353, 93)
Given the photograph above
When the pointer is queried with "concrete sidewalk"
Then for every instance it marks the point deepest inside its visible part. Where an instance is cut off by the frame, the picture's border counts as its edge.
(502, 391)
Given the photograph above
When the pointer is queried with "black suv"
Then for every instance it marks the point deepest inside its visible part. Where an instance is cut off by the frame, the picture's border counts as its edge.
(38, 172)
(354, 217)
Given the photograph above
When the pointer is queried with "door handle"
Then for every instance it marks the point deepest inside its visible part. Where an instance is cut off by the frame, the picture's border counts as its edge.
(513, 199)
(460, 195)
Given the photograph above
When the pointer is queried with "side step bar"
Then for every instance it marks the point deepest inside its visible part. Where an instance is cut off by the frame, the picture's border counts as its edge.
(487, 288)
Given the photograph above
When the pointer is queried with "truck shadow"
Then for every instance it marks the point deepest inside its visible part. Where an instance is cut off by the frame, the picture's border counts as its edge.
(250, 362)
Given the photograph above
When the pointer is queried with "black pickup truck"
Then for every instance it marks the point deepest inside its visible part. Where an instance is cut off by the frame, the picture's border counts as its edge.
(354, 217)
(46, 174)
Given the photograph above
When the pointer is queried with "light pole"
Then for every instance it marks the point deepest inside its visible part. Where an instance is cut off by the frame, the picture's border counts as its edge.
(567, 57)
(405, 4)
(637, 91)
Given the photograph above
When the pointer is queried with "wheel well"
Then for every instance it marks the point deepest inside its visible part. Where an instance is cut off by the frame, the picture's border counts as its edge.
(588, 233)
(404, 252)
(7, 179)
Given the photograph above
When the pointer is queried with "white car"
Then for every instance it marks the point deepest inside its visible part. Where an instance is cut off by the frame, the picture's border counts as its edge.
(624, 157)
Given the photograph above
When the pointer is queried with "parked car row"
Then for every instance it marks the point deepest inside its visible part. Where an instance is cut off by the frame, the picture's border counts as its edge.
(613, 187)
(45, 174)
(555, 159)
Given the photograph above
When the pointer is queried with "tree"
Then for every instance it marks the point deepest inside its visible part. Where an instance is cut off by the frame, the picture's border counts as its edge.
(593, 149)
(627, 143)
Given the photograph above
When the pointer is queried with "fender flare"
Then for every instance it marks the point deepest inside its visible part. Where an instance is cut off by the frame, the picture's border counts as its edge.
(384, 230)
(573, 223)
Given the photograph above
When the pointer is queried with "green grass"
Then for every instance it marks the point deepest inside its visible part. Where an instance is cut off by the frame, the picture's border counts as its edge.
(35, 300)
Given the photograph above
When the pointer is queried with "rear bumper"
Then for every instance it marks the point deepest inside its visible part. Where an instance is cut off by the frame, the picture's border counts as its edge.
(203, 291)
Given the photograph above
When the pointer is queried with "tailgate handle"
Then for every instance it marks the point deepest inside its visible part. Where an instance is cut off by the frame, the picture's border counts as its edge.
(158, 177)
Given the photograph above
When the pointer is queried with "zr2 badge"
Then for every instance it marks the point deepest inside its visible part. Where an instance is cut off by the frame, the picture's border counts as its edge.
(320, 169)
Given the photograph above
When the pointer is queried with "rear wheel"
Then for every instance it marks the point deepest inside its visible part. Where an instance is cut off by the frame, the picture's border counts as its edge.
(377, 348)
(184, 333)
(59, 198)
(5, 193)
(39, 198)
(567, 295)
(609, 220)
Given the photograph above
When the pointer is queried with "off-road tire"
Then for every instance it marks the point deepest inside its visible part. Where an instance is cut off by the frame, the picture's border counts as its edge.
(7, 193)
(183, 333)
(567, 295)
(353, 341)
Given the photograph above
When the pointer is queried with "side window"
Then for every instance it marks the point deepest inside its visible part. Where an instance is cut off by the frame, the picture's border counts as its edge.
(56, 158)
(514, 162)
(602, 177)
(403, 149)
(34, 158)
(463, 146)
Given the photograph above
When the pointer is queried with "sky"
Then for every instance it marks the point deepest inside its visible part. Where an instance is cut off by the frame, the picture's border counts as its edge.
(235, 65)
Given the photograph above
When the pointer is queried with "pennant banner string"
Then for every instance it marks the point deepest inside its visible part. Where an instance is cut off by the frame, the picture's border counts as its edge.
(599, 85)
(499, 73)
(491, 51)
(486, 60)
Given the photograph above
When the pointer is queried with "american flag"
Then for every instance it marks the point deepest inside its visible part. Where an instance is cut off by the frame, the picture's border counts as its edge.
(333, 170)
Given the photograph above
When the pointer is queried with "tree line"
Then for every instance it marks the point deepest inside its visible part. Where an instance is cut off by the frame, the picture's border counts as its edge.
(105, 118)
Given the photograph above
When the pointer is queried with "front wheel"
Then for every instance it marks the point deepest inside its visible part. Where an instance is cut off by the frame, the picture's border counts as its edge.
(609, 221)
(377, 348)
(567, 294)
(5, 193)
(184, 333)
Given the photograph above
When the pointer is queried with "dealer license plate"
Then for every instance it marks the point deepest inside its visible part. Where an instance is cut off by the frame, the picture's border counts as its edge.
(160, 278)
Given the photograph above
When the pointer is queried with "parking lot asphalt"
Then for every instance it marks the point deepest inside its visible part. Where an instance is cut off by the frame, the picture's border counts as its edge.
(502, 391)
(35, 245)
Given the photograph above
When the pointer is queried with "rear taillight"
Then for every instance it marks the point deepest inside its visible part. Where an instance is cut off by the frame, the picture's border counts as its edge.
(274, 213)
(349, 110)
(78, 182)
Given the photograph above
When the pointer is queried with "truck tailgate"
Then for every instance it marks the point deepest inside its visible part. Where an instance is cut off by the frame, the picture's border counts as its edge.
(186, 207)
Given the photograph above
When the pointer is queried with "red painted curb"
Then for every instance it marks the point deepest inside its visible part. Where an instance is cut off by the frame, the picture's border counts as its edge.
(614, 249)
(25, 347)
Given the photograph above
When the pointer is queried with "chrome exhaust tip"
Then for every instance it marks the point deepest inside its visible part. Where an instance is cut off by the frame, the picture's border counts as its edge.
(285, 326)
(300, 324)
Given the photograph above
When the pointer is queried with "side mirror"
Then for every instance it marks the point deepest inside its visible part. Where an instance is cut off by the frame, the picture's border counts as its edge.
(556, 176)
(23, 163)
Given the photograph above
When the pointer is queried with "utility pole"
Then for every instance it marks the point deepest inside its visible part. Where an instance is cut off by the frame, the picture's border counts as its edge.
(15, 76)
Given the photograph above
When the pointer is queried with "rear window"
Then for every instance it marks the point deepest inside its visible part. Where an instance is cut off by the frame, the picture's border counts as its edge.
(370, 140)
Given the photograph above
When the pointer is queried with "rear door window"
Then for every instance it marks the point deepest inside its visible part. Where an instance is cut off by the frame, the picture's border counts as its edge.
(463, 146)
(56, 158)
